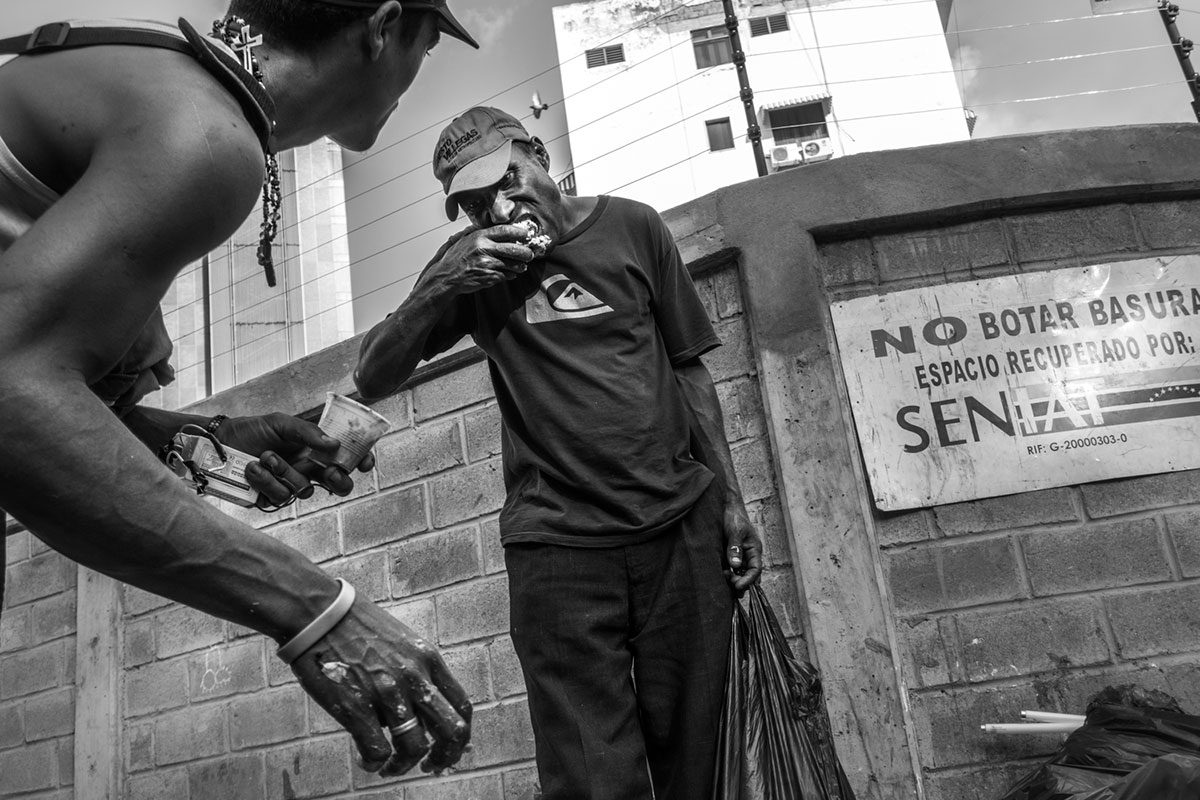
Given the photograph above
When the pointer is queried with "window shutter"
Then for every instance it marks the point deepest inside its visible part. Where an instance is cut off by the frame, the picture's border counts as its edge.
(761, 26)
(601, 56)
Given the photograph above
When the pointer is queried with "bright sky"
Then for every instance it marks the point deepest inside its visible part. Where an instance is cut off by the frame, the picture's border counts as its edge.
(1015, 50)
(1008, 51)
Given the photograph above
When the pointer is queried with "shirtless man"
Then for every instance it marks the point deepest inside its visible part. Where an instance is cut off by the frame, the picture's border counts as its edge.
(120, 165)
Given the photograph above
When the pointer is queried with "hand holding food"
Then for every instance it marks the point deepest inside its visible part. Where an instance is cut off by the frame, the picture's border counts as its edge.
(535, 240)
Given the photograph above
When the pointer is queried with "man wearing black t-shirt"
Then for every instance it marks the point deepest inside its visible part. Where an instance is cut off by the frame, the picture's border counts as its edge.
(623, 514)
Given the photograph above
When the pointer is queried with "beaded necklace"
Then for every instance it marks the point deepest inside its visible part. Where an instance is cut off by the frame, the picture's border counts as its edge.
(235, 33)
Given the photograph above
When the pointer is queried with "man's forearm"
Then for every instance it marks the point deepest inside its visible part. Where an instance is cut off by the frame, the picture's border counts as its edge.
(77, 478)
(392, 349)
(709, 445)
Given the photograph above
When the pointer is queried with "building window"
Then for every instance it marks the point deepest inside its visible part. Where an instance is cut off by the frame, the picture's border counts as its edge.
(720, 134)
(798, 123)
(761, 26)
(712, 47)
(603, 56)
(567, 185)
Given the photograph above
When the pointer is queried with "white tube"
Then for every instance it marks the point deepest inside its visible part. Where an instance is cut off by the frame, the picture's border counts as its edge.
(1050, 716)
(1023, 727)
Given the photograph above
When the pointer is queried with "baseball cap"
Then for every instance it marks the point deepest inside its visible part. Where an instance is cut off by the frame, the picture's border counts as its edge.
(474, 151)
(446, 21)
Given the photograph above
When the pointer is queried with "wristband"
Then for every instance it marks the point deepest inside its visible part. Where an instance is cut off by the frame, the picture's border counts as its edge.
(215, 423)
(323, 624)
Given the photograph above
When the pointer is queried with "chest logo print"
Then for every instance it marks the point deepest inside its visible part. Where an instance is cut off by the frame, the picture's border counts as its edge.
(560, 298)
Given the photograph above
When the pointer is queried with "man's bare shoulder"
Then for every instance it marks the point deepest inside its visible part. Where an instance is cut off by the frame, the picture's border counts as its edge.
(158, 105)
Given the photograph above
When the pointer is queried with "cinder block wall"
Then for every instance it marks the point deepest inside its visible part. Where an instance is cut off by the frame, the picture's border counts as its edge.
(923, 624)
(37, 672)
(209, 712)
(1037, 600)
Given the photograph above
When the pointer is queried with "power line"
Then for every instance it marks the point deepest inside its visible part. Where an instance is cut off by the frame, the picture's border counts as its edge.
(658, 53)
(635, 102)
(251, 276)
(1051, 60)
(408, 275)
(424, 166)
(557, 65)
(433, 194)
(643, 99)
(956, 70)
(692, 3)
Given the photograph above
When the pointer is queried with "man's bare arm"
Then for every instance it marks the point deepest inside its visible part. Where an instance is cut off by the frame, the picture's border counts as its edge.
(392, 349)
(74, 290)
(471, 260)
(162, 187)
(710, 447)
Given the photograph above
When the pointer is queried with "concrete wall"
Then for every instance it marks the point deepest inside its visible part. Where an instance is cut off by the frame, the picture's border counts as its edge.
(37, 672)
(1035, 600)
(203, 709)
(924, 624)
(978, 627)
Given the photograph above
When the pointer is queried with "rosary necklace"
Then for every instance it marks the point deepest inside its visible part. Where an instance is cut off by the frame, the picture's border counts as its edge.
(235, 33)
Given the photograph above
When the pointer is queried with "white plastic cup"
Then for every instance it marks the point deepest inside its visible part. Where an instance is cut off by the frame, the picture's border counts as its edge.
(355, 426)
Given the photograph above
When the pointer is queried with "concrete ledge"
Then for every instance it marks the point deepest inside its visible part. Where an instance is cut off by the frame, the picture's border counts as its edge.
(962, 181)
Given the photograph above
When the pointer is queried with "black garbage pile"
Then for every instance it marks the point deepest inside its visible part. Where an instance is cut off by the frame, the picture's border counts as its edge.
(1135, 745)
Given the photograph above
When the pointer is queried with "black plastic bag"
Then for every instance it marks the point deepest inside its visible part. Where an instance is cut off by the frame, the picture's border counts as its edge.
(775, 740)
(1173, 777)
(1100, 760)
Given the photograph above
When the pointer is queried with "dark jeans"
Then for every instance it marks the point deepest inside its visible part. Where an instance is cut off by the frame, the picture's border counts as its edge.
(624, 653)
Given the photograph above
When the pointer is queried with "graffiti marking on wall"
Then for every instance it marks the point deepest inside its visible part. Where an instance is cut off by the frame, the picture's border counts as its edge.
(216, 673)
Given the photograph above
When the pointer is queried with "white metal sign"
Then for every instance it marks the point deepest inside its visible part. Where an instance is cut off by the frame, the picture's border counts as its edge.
(1026, 382)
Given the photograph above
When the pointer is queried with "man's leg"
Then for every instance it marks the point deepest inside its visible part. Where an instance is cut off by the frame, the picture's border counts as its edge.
(569, 609)
(682, 609)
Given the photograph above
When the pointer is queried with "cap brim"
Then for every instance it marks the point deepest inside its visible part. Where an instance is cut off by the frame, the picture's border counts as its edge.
(452, 27)
(479, 174)
(447, 23)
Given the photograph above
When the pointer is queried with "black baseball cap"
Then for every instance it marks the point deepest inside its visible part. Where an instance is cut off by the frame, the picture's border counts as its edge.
(446, 21)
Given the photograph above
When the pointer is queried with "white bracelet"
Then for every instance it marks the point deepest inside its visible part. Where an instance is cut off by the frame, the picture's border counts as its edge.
(323, 624)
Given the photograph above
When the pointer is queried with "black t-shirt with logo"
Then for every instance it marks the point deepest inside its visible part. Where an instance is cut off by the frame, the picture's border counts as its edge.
(581, 347)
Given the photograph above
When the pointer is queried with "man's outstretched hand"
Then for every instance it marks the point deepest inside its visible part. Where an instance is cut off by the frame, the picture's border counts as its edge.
(281, 443)
(391, 690)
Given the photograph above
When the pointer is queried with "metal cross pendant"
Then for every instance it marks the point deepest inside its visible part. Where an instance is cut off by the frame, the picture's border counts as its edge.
(245, 44)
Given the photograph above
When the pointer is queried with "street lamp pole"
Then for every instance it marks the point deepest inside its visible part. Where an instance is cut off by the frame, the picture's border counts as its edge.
(1183, 49)
(753, 130)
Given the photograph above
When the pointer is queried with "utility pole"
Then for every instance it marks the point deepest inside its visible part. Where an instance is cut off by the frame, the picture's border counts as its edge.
(753, 131)
(1183, 48)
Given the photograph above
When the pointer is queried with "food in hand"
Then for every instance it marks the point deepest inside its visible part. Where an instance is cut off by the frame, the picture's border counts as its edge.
(535, 240)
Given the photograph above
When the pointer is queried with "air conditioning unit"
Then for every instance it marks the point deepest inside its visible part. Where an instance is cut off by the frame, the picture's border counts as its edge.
(794, 154)
(786, 155)
(815, 150)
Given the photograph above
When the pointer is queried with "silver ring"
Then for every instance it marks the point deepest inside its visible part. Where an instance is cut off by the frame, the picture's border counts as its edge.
(404, 727)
